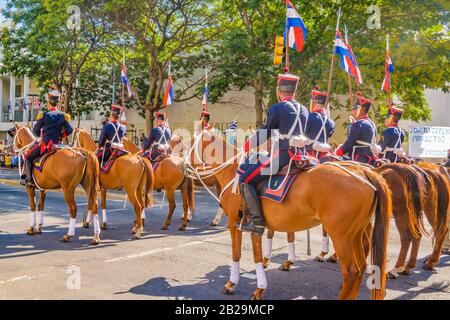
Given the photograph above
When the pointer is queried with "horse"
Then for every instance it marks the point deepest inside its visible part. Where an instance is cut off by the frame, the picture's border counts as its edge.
(318, 196)
(66, 169)
(170, 176)
(130, 172)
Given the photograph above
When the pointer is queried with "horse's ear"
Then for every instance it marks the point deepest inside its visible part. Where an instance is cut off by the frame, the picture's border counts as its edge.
(16, 125)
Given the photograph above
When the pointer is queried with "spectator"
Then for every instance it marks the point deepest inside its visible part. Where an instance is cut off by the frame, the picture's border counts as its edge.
(15, 161)
(143, 139)
(7, 161)
(2, 160)
(447, 164)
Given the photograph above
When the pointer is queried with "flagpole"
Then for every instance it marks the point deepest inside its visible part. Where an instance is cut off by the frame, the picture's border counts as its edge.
(330, 80)
(114, 85)
(169, 77)
(206, 85)
(350, 89)
(389, 84)
(287, 38)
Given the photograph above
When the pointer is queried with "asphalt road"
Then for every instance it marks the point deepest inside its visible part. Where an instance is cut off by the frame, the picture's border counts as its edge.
(166, 264)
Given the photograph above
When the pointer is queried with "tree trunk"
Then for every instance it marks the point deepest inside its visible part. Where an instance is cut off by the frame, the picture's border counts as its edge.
(259, 111)
(148, 119)
(68, 97)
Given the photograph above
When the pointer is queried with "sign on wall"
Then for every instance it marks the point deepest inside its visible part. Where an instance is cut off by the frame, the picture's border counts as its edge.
(429, 142)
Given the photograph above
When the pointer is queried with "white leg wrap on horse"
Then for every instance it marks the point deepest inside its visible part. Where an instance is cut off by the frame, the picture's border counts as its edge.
(40, 218)
(33, 219)
(143, 216)
(190, 216)
(261, 276)
(234, 277)
(72, 224)
(291, 252)
(96, 224)
(89, 217)
(104, 216)
(268, 248)
(326, 244)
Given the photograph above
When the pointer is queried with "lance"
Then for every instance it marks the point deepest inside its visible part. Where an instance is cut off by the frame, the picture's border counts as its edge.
(170, 78)
(387, 57)
(350, 89)
(287, 39)
(330, 81)
(114, 85)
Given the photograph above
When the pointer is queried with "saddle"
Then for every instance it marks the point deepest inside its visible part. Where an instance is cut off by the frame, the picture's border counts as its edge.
(156, 154)
(40, 161)
(116, 154)
(277, 187)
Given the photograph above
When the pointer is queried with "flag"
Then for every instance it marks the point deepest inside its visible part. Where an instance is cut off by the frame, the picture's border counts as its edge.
(123, 118)
(295, 28)
(233, 126)
(389, 68)
(205, 95)
(347, 58)
(124, 79)
(168, 95)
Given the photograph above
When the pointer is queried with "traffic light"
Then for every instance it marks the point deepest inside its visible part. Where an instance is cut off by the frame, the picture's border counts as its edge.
(279, 51)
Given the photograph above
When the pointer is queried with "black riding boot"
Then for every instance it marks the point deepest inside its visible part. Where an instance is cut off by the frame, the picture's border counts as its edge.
(27, 178)
(256, 224)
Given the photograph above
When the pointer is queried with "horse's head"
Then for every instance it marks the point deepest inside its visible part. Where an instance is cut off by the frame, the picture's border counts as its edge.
(83, 140)
(130, 146)
(210, 148)
(22, 136)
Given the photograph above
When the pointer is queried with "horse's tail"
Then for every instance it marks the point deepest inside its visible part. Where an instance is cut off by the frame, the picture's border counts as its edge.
(91, 177)
(412, 188)
(442, 188)
(190, 194)
(380, 233)
(149, 183)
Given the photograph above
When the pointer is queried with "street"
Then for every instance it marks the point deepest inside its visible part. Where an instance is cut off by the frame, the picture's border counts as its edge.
(167, 264)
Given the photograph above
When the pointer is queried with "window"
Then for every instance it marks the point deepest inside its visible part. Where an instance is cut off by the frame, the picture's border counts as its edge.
(18, 91)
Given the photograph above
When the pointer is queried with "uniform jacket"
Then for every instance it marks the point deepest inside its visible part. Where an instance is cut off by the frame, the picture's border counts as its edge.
(390, 139)
(160, 135)
(52, 126)
(315, 125)
(108, 133)
(362, 130)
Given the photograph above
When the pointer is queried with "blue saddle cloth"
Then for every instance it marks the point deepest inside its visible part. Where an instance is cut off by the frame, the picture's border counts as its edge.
(278, 188)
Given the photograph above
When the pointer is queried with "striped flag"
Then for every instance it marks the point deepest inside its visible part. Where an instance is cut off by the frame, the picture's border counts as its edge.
(168, 95)
(295, 28)
(125, 80)
(233, 126)
(389, 68)
(347, 57)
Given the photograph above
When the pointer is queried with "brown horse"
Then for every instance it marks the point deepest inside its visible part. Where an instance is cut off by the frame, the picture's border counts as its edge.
(130, 172)
(169, 175)
(66, 169)
(317, 196)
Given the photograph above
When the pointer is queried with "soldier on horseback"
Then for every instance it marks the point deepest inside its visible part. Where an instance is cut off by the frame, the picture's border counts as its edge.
(393, 137)
(52, 127)
(285, 123)
(111, 137)
(159, 139)
(319, 127)
(361, 143)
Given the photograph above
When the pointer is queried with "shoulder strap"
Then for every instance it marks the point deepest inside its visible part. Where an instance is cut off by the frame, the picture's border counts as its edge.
(116, 133)
(398, 145)
(163, 135)
(297, 119)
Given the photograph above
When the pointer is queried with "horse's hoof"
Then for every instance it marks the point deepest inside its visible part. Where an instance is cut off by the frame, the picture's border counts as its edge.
(229, 288)
(66, 238)
(182, 228)
(165, 228)
(143, 222)
(319, 259)
(266, 263)
(405, 272)
(104, 226)
(428, 267)
(30, 232)
(86, 225)
(286, 266)
(96, 240)
(213, 224)
(257, 295)
(332, 259)
(138, 234)
(393, 274)
(38, 230)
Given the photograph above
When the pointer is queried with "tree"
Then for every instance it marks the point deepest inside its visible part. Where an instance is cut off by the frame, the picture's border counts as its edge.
(57, 46)
(160, 32)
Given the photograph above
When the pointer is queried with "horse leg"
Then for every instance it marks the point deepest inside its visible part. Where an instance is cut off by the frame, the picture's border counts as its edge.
(172, 206)
(433, 260)
(405, 241)
(138, 205)
(218, 218)
(184, 196)
(69, 196)
(412, 263)
(104, 214)
(236, 243)
(268, 248)
(40, 213)
(286, 266)
(325, 246)
(260, 272)
(32, 198)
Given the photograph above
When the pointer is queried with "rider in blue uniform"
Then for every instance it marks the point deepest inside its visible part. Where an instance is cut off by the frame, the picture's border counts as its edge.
(111, 136)
(319, 127)
(159, 138)
(362, 137)
(392, 137)
(286, 121)
(52, 127)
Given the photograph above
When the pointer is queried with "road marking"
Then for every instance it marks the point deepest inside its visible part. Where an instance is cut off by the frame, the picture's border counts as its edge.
(26, 277)
(249, 276)
(155, 251)
(11, 221)
(14, 204)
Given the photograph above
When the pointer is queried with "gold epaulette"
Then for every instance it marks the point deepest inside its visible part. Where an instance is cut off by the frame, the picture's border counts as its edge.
(40, 116)
(67, 117)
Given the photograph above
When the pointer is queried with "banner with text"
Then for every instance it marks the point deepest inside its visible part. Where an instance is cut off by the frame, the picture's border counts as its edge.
(429, 142)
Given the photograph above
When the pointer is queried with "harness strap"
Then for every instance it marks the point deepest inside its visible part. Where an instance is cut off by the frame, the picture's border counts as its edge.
(365, 181)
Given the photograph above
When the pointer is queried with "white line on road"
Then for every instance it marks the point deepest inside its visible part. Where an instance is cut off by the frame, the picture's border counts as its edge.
(11, 221)
(14, 204)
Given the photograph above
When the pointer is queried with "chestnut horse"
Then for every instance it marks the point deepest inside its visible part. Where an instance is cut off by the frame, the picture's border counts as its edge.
(66, 169)
(317, 196)
(170, 176)
(130, 172)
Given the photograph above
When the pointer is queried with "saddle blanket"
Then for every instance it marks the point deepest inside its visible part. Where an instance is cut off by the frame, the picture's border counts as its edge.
(278, 188)
(40, 161)
(117, 153)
